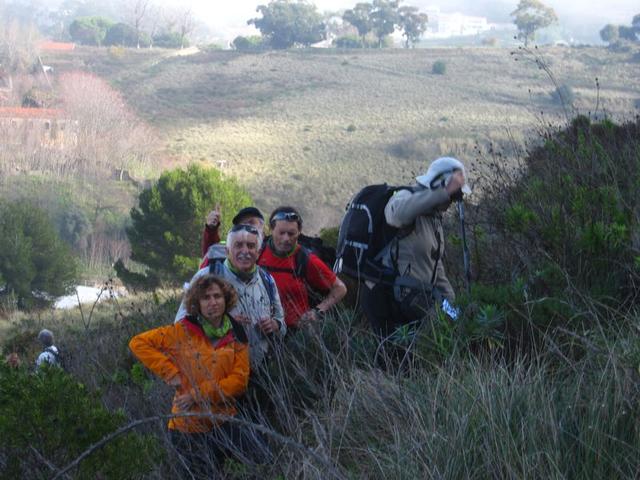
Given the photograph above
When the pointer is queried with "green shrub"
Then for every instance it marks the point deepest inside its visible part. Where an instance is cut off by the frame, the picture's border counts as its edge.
(125, 35)
(168, 222)
(439, 67)
(329, 236)
(34, 263)
(348, 41)
(211, 47)
(248, 44)
(52, 414)
(169, 40)
(89, 30)
(75, 227)
(566, 225)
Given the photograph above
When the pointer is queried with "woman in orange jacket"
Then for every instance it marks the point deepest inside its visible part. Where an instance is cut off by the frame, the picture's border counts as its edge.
(205, 356)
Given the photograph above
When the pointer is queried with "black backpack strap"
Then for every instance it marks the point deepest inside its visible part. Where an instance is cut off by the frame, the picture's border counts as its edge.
(53, 352)
(215, 266)
(270, 285)
(302, 261)
(437, 255)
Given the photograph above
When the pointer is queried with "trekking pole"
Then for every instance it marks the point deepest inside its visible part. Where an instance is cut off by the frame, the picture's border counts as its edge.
(465, 248)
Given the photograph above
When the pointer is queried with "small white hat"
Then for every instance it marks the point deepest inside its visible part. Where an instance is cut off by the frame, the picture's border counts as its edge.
(440, 172)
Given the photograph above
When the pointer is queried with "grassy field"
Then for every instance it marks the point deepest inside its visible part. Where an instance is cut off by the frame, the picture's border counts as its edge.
(311, 127)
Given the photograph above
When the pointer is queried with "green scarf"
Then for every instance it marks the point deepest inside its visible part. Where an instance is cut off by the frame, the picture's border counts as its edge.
(216, 333)
(244, 276)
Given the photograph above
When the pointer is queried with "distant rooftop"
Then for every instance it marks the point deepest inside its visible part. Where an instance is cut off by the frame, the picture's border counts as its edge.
(50, 46)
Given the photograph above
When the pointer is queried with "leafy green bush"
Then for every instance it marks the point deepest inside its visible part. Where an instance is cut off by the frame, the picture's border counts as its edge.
(348, 41)
(566, 226)
(75, 227)
(34, 262)
(89, 30)
(50, 417)
(169, 40)
(167, 225)
(439, 67)
(248, 44)
(125, 35)
(329, 236)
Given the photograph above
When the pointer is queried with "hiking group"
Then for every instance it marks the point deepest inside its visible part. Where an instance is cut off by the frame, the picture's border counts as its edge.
(254, 291)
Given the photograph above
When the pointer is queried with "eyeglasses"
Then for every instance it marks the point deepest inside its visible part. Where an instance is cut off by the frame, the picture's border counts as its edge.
(287, 216)
(247, 228)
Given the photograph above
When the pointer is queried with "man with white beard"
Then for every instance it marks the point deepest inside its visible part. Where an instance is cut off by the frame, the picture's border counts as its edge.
(258, 309)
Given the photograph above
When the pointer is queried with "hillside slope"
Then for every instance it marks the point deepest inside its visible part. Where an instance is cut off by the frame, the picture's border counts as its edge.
(310, 128)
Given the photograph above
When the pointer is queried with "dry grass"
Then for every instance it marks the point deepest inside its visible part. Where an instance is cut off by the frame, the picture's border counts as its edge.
(312, 127)
(467, 417)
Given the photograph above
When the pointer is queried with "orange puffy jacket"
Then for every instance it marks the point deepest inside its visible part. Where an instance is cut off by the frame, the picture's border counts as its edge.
(214, 373)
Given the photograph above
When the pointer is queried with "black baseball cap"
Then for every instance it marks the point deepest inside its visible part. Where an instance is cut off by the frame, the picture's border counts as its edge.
(247, 212)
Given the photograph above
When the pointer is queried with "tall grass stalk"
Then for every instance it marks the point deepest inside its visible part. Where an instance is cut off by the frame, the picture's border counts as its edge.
(470, 416)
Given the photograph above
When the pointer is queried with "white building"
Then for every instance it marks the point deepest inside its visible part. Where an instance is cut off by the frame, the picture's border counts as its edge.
(446, 25)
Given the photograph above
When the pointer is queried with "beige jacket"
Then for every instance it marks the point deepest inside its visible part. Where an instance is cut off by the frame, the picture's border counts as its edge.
(417, 252)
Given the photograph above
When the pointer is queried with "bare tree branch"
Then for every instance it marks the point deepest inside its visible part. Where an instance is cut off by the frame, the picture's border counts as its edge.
(331, 469)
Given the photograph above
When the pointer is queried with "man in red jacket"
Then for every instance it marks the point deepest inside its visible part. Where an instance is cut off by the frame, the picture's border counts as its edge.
(298, 272)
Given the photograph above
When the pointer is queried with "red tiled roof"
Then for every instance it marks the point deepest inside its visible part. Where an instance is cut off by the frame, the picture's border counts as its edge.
(57, 46)
(18, 112)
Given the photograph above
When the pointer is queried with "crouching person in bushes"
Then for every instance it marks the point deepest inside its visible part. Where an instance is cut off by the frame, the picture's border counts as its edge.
(205, 356)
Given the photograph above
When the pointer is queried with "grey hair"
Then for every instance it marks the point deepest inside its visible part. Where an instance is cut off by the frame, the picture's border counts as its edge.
(45, 337)
(231, 236)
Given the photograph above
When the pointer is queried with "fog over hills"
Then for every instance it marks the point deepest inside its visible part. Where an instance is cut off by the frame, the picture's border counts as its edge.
(580, 18)
(579, 21)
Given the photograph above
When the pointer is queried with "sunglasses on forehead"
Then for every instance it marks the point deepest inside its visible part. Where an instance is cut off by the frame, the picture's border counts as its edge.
(287, 216)
(246, 228)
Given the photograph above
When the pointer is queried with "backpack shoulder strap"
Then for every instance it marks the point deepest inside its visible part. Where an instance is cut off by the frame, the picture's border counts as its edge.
(268, 282)
(52, 352)
(302, 261)
(265, 242)
(215, 266)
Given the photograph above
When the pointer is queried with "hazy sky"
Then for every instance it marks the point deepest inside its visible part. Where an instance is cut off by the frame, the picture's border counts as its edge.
(230, 16)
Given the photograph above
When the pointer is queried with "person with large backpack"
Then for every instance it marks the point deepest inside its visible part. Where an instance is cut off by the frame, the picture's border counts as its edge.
(391, 239)
(299, 272)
